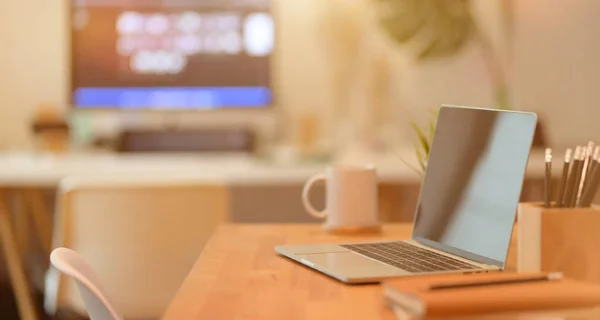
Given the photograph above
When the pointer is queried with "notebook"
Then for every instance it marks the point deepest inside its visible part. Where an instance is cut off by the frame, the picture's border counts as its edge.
(414, 296)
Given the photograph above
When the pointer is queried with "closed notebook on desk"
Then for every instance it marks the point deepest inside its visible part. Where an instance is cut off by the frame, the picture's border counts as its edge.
(415, 296)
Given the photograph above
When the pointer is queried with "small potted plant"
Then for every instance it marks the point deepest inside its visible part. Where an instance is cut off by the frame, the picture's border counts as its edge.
(435, 29)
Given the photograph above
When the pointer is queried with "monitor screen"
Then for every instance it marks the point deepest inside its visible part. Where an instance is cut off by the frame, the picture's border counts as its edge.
(473, 182)
(171, 54)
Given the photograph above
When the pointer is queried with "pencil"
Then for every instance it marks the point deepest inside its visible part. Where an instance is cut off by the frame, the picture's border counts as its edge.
(563, 178)
(575, 194)
(584, 171)
(595, 155)
(548, 178)
(592, 187)
(572, 181)
(548, 277)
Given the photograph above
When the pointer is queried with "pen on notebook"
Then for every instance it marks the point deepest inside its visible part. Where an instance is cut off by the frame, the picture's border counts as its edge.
(591, 187)
(548, 178)
(589, 150)
(563, 178)
(572, 177)
(548, 277)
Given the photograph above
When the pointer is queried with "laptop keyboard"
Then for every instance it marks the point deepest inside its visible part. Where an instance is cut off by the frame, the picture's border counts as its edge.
(408, 257)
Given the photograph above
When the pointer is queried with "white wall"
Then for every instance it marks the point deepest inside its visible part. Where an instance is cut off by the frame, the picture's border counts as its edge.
(557, 64)
(33, 50)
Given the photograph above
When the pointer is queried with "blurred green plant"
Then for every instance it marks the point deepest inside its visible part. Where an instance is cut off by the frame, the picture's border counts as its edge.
(421, 148)
(441, 28)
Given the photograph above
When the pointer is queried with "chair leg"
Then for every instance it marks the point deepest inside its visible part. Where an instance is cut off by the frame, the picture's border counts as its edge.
(15, 266)
(40, 217)
(20, 221)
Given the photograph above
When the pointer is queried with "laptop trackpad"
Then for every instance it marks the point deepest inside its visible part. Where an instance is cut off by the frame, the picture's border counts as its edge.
(350, 264)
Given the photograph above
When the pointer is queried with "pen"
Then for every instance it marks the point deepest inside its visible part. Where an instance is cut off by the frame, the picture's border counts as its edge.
(584, 172)
(591, 166)
(592, 187)
(595, 156)
(577, 173)
(571, 182)
(548, 178)
(563, 178)
(549, 277)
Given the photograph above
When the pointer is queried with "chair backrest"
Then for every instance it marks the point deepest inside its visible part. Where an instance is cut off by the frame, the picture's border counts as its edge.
(141, 233)
(96, 301)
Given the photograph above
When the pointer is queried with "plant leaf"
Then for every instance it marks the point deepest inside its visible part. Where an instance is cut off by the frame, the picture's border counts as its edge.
(431, 129)
(449, 28)
(422, 138)
(402, 20)
(437, 27)
(421, 158)
(410, 165)
(432, 122)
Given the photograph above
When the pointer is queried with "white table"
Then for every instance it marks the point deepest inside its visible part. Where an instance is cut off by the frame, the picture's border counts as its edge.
(28, 169)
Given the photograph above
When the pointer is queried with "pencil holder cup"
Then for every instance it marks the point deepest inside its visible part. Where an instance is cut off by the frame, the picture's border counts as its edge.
(559, 239)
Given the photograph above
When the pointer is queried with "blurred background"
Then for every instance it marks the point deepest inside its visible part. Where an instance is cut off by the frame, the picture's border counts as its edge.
(220, 110)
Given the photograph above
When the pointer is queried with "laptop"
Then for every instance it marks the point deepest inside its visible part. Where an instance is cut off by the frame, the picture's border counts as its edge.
(466, 209)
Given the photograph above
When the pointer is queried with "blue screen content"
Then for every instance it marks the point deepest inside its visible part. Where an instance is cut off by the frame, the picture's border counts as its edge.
(174, 54)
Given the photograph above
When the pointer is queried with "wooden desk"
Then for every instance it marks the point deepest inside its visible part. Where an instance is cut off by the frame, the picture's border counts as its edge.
(26, 172)
(239, 276)
(23, 174)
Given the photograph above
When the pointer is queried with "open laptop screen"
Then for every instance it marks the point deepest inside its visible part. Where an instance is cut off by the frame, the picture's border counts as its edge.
(473, 182)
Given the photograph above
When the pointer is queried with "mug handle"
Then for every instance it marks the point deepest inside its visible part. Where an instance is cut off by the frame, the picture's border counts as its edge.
(306, 201)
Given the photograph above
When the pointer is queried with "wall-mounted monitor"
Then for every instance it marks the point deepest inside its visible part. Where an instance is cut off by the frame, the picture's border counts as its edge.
(171, 54)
